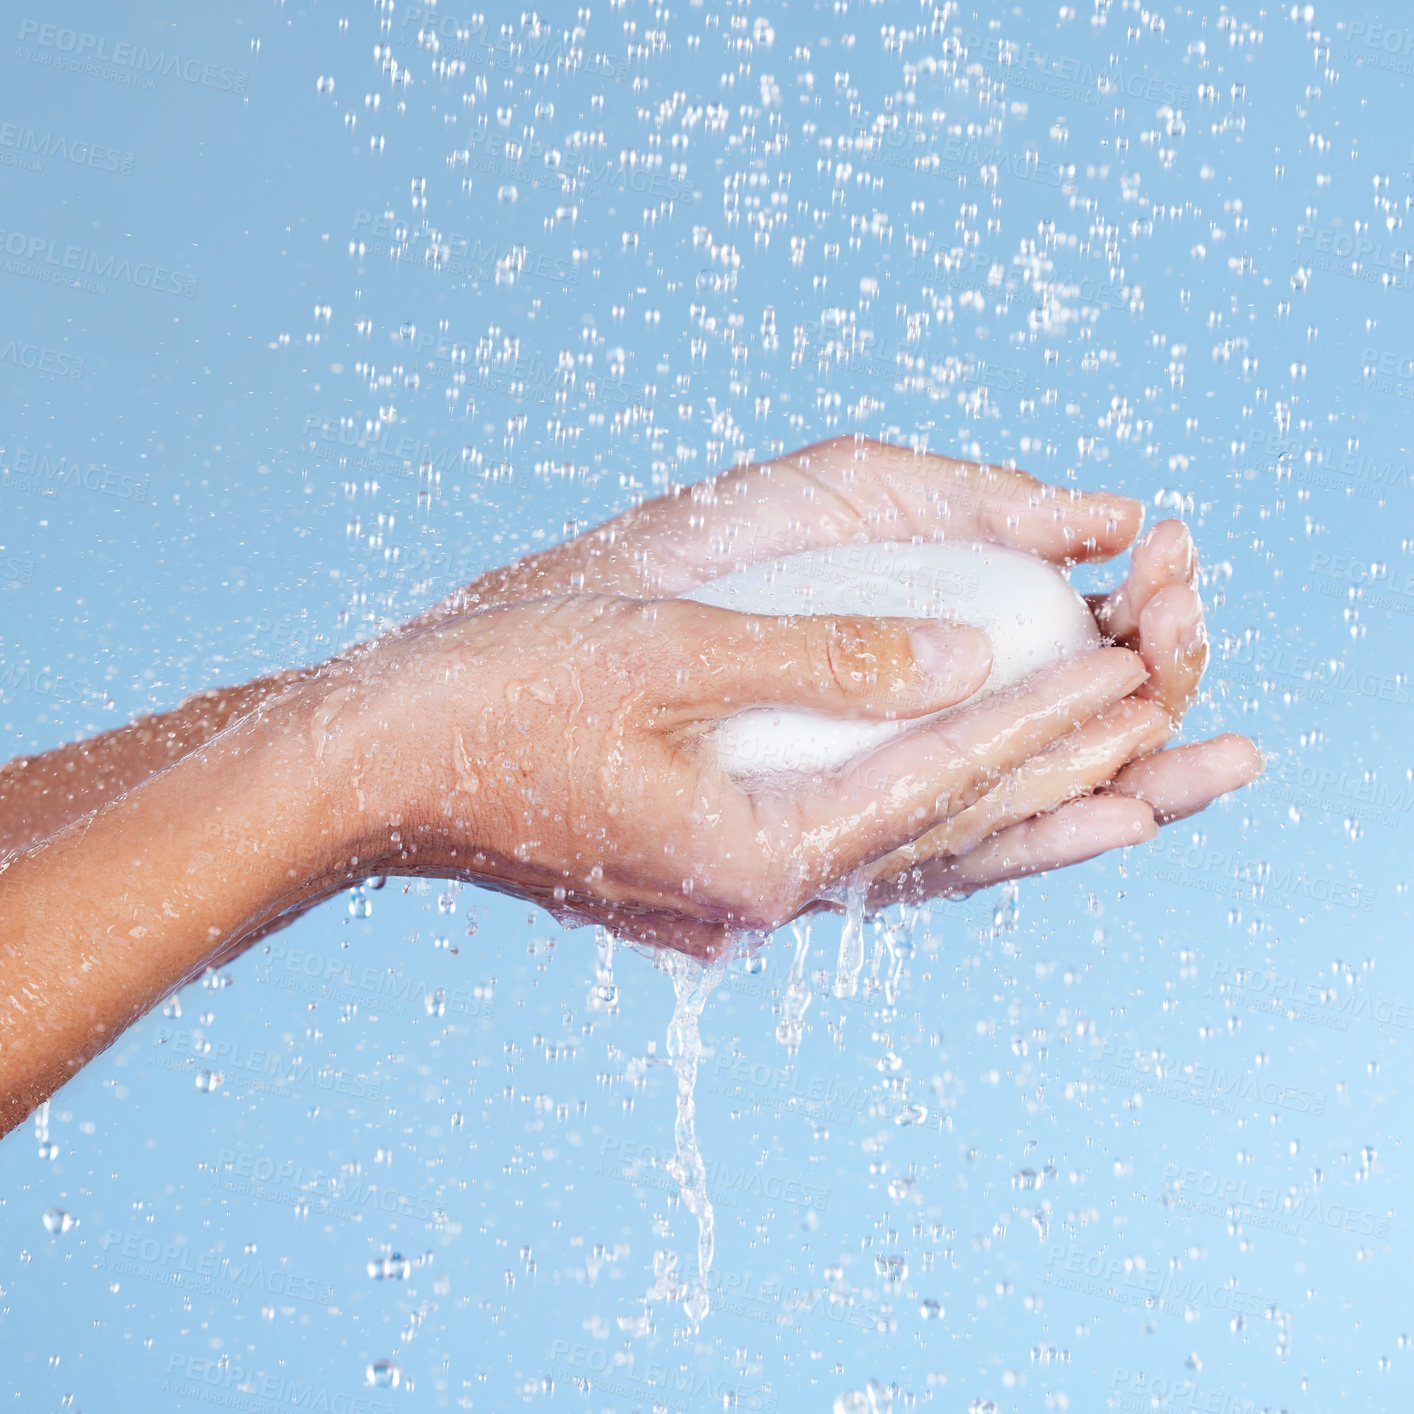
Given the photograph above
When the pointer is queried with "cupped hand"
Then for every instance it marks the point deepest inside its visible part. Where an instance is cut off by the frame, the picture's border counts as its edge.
(555, 749)
(852, 489)
(846, 490)
(1107, 785)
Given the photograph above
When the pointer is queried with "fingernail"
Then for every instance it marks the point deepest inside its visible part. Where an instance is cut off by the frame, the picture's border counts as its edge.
(953, 654)
(1192, 635)
(1181, 559)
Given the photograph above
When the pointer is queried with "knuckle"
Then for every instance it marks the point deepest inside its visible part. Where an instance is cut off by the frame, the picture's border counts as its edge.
(838, 659)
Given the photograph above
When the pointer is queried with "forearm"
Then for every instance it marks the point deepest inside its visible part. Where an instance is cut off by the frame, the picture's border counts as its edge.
(41, 794)
(110, 914)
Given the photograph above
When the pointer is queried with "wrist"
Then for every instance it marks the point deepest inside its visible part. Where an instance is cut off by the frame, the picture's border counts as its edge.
(393, 733)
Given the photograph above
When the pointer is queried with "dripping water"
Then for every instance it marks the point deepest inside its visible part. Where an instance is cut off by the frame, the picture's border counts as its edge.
(798, 996)
(851, 960)
(692, 985)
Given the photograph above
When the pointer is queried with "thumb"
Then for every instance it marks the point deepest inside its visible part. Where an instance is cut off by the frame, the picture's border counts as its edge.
(874, 668)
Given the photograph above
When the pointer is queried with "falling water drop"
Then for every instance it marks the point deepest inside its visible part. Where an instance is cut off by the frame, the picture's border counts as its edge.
(603, 993)
(851, 959)
(390, 1268)
(692, 985)
(797, 997)
(384, 1374)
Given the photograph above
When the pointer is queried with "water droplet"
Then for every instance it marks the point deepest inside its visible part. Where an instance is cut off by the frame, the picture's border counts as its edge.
(893, 1269)
(391, 1268)
(931, 1310)
(208, 1080)
(383, 1374)
(57, 1220)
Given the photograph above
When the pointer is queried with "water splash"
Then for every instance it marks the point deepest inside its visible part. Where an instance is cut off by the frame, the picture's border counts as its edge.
(851, 959)
(383, 1374)
(604, 993)
(798, 995)
(692, 985)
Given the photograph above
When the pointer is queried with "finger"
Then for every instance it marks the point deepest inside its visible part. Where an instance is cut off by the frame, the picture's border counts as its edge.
(875, 668)
(1070, 835)
(1187, 779)
(905, 787)
(1164, 556)
(1173, 642)
(942, 497)
(1076, 765)
(840, 491)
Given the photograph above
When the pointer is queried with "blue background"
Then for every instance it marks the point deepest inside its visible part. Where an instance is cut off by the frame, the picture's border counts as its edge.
(334, 349)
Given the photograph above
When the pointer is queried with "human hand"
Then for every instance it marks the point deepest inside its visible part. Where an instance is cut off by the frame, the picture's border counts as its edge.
(849, 489)
(841, 491)
(552, 748)
(1045, 816)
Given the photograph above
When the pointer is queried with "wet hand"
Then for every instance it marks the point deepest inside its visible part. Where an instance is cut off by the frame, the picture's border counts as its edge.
(1108, 785)
(847, 490)
(557, 749)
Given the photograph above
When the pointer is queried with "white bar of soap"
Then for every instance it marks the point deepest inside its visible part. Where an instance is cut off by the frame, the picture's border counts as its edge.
(1024, 605)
